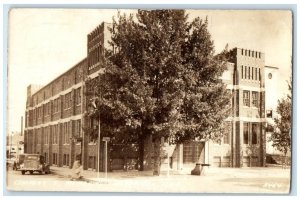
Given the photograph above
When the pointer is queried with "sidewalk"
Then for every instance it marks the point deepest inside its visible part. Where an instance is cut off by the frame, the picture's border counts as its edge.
(93, 175)
(131, 174)
(214, 180)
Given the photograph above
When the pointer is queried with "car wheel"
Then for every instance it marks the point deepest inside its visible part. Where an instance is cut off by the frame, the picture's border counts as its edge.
(31, 172)
(23, 172)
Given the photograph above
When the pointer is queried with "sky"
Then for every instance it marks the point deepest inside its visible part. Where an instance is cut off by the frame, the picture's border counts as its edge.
(44, 43)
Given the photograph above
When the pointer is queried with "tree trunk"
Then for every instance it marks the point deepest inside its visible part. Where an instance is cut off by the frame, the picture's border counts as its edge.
(157, 152)
(141, 152)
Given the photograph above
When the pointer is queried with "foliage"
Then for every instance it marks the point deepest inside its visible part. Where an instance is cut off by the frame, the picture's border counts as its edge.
(162, 79)
(281, 136)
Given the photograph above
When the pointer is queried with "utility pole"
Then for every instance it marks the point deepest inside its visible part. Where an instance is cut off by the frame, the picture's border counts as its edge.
(99, 135)
(21, 125)
(106, 139)
(10, 145)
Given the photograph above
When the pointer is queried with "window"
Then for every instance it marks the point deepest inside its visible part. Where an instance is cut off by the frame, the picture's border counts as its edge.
(92, 162)
(242, 51)
(38, 113)
(191, 152)
(33, 114)
(77, 128)
(248, 72)
(38, 135)
(245, 72)
(246, 133)
(226, 136)
(67, 101)
(242, 72)
(45, 157)
(66, 133)
(259, 73)
(254, 133)
(48, 109)
(252, 77)
(246, 98)
(55, 159)
(66, 160)
(255, 99)
(55, 134)
(56, 105)
(78, 96)
(255, 73)
(45, 109)
(46, 135)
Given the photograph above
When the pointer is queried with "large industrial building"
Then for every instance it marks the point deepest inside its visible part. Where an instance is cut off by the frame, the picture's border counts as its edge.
(56, 117)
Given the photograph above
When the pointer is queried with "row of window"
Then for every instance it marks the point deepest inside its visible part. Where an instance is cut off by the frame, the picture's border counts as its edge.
(66, 133)
(250, 53)
(249, 134)
(246, 98)
(60, 84)
(67, 103)
(251, 73)
(66, 159)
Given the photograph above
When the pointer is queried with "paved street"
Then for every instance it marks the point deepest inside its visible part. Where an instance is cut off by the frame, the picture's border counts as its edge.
(216, 180)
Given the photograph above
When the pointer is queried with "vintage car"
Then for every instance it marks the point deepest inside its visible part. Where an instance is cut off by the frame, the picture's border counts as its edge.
(34, 163)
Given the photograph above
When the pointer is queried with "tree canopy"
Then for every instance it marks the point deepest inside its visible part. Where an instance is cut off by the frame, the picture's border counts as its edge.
(281, 137)
(162, 79)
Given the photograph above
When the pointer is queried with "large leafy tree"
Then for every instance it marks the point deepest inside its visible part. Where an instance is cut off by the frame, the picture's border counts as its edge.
(162, 79)
(281, 137)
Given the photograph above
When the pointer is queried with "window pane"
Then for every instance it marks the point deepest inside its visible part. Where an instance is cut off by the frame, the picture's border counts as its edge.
(246, 133)
(246, 99)
(254, 133)
(242, 72)
(255, 99)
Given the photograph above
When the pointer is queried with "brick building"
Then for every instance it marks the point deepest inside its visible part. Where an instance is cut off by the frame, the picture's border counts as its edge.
(55, 117)
(245, 144)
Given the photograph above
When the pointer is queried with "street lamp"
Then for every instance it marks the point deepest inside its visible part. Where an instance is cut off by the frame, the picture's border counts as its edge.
(10, 145)
(99, 134)
(93, 103)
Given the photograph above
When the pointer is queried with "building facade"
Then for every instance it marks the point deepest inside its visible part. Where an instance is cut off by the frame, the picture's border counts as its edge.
(245, 145)
(56, 118)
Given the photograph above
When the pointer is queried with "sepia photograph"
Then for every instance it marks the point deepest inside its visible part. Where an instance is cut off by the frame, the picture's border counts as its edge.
(149, 100)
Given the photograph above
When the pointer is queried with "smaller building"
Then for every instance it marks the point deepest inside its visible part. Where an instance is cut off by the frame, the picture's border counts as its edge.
(14, 144)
